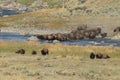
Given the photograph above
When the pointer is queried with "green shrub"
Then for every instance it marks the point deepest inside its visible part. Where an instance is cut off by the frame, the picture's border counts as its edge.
(26, 2)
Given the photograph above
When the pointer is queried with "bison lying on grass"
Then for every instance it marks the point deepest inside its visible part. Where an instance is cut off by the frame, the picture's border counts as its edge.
(99, 56)
(102, 56)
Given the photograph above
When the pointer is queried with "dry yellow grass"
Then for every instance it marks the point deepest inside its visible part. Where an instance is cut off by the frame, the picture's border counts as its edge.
(99, 3)
(58, 49)
(63, 62)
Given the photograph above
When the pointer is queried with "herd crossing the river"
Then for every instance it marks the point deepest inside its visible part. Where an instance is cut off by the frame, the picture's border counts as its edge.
(80, 33)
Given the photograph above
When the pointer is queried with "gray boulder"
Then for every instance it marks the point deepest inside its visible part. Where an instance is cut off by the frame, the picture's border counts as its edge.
(33, 38)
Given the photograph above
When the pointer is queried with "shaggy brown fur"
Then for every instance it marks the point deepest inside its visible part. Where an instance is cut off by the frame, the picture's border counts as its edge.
(20, 51)
(44, 51)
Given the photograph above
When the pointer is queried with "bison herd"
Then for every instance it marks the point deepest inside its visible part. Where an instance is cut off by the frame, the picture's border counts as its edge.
(44, 51)
(99, 56)
(80, 33)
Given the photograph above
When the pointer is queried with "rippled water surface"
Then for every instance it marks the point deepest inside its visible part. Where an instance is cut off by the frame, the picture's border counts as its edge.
(100, 42)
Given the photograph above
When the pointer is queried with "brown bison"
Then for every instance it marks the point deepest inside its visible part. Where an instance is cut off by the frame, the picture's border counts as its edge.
(86, 34)
(99, 56)
(39, 36)
(105, 56)
(117, 29)
(102, 56)
(92, 35)
(20, 51)
(44, 51)
(103, 35)
(34, 52)
(98, 31)
(82, 27)
(92, 55)
(79, 37)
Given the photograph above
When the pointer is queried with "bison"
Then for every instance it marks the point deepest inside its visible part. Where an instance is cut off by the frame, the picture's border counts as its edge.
(92, 55)
(82, 27)
(105, 56)
(103, 35)
(117, 29)
(20, 51)
(99, 56)
(102, 56)
(34, 52)
(44, 51)
(92, 35)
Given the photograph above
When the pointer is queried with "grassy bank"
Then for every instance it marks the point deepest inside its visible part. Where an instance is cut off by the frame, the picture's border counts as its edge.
(42, 19)
(63, 62)
(58, 19)
(58, 49)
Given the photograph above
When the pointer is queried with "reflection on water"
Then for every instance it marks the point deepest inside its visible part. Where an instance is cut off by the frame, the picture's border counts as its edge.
(98, 42)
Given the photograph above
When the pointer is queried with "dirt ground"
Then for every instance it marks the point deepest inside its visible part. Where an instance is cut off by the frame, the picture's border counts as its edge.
(34, 67)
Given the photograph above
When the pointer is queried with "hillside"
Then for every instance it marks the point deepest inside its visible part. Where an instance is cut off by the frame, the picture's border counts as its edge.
(75, 7)
(54, 14)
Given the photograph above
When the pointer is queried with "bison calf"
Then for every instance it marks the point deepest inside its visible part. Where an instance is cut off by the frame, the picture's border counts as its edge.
(20, 51)
(44, 51)
(34, 52)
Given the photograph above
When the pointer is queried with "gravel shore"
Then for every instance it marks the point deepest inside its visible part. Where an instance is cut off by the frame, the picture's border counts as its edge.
(25, 31)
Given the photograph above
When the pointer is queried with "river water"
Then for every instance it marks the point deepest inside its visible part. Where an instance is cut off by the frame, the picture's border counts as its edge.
(7, 12)
(98, 42)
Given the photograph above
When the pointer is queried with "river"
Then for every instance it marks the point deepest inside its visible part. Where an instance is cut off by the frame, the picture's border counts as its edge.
(98, 42)
(7, 12)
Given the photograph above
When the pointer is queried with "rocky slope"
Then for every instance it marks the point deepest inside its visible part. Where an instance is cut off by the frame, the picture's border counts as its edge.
(75, 7)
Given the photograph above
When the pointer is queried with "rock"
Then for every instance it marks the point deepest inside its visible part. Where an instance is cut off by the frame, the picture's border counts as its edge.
(33, 38)
(56, 41)
(116, 37)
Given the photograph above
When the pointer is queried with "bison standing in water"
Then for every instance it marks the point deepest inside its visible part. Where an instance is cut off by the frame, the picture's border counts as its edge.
(92, 35)
(44, 51)
(117, 29)
(103, 35)
(20, 51)
(80, 33)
